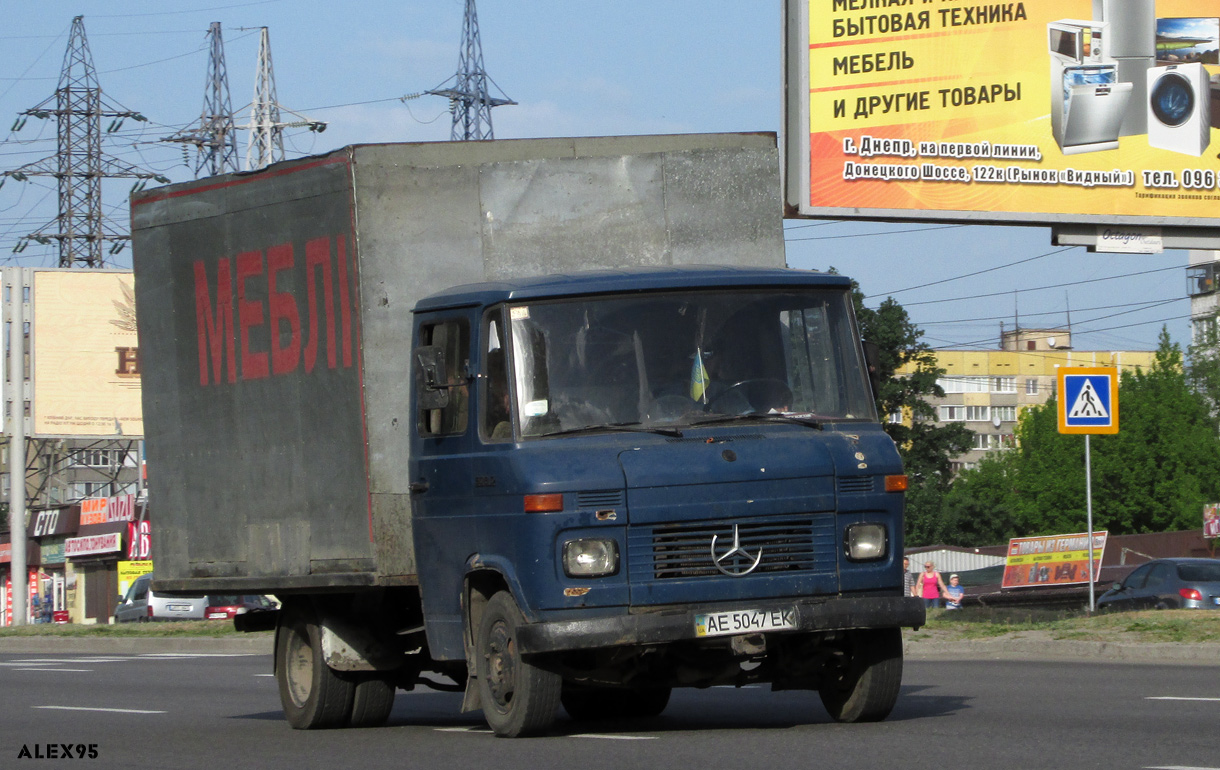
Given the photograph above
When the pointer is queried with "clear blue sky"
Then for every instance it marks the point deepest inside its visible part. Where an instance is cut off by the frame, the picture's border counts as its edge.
(576, 68)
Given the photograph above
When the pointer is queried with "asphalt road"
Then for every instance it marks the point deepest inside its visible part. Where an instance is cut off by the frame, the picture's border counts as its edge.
(222, 712)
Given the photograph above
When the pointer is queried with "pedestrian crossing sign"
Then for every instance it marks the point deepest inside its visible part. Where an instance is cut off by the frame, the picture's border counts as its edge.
(1088, 399)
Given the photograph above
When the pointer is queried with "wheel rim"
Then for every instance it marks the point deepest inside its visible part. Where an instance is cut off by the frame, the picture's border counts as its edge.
(501, 666)
(299, 667)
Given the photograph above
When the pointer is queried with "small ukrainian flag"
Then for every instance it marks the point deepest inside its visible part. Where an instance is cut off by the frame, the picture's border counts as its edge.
(698, 378)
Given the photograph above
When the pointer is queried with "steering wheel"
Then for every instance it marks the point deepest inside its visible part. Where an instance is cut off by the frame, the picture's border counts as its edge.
(762, 393)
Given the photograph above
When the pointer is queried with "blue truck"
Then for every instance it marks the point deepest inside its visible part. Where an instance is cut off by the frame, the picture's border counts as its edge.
(483, 418)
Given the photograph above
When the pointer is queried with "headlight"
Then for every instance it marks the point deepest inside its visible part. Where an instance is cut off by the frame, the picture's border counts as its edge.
(866, 542)
(590, 557)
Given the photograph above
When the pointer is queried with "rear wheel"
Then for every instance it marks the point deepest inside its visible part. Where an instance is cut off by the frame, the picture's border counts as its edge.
(372, 701)
(518, 697)
(864, 686)
(586, 704)
(313, 695)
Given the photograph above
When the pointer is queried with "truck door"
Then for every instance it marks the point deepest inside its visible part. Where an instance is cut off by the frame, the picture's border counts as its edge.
(440, 473)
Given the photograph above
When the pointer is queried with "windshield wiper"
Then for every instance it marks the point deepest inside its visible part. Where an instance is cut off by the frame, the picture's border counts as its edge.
(619, 427)
(764, 416)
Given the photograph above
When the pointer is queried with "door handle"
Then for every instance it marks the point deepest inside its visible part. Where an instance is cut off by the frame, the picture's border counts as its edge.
(418, 487)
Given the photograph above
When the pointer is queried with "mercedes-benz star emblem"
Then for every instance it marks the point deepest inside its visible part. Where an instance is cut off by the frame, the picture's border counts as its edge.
(736, 557)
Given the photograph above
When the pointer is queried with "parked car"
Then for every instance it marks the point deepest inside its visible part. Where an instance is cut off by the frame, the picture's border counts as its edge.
(1167, 584)
(141, 604)
(227, 607)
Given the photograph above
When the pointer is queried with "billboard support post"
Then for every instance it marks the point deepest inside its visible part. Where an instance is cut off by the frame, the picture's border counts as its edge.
(16, 444)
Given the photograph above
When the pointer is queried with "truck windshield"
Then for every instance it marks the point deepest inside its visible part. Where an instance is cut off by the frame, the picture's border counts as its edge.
(666, 360)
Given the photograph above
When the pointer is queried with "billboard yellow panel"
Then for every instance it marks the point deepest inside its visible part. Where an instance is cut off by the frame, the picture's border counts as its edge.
(86, 361)
(1034, 111)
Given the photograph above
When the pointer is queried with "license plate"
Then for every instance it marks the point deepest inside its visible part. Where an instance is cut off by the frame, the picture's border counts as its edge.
(178, 607)
(744, 622)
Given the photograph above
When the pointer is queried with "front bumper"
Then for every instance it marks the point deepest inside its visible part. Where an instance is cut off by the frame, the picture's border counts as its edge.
(675, 624)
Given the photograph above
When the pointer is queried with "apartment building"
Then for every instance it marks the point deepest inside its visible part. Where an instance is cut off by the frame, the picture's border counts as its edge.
(988, 389)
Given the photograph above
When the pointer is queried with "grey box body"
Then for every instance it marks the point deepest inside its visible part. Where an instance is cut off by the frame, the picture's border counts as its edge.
(274, 313)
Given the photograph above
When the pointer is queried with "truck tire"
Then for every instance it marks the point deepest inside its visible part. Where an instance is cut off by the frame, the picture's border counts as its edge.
(590, 704)
(518, 697)
(866, 687)
(372, 701)
(314, 697)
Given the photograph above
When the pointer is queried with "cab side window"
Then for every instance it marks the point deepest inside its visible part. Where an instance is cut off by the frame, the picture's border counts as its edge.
(453, 338)
(1136, 579)
(497, 420)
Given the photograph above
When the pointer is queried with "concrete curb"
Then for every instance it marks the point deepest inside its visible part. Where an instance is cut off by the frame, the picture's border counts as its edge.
(245, 644)
(1005, 648)
(1064, 649)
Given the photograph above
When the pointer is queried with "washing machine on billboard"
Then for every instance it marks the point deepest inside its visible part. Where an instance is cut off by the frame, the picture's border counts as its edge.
(1179, 110)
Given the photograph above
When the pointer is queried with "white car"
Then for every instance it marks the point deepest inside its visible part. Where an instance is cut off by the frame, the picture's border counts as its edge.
(141, 605)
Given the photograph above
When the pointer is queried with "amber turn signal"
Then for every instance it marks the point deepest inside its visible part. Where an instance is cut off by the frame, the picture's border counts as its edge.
(545, 503)
(896, 483)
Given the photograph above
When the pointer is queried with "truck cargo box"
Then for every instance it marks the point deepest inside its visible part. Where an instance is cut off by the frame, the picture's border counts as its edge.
(275, 318)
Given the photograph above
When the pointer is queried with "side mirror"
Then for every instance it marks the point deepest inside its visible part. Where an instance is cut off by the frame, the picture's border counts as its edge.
(1116, 587)
(431, 377)
(872, 361)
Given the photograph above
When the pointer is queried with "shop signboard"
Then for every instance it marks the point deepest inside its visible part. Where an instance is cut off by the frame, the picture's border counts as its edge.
(91, 545)
(1052, 560)
(1039, 111)
(54, 521)
(106, 510)
(129, 571)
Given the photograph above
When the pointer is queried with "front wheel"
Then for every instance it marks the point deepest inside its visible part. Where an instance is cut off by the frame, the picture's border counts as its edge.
(518, 697)
(313, 695)
(864, 685)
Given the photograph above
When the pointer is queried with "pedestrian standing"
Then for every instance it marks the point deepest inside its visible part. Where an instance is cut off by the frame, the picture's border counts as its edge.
(908, 578)
(930, 586)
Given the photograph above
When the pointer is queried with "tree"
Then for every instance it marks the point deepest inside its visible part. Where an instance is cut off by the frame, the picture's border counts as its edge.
(926, 448)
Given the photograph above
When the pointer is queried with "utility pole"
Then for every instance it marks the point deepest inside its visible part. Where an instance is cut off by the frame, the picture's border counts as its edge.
(266, 124)
(469, 100)
(215, 137)
(79, 164)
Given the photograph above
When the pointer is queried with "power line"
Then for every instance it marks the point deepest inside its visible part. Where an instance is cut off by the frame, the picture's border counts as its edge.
(867, 235)
(1042, 288)
(978, 272)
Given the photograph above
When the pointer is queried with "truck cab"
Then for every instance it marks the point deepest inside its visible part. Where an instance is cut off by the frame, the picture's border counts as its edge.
(627, 481)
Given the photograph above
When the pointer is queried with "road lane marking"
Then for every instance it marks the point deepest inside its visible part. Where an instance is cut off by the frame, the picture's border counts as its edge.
(462, 730)
(1179, 767)
(264, 674)
(86, 708)
(1174, 697)
(47, 668)
(616, 737)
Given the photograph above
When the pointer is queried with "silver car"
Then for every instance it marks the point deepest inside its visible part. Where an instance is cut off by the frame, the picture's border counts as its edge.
(141, 604)
(1167, 584)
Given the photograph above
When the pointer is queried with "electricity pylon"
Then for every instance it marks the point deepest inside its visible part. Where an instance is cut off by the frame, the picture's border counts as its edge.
(215, 136)
(79, 164)
(266, 124)
(469, 100)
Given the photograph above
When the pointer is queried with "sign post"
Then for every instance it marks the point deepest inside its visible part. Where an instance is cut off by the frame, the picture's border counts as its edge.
(1088, 404)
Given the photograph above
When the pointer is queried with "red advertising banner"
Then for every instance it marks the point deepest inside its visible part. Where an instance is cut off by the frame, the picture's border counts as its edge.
(1211, 520)
(1052, 560)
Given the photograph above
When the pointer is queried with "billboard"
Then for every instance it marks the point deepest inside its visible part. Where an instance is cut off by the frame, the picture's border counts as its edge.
(85, 358)
(1211, 521)
(1052, 560)
(1042, 111)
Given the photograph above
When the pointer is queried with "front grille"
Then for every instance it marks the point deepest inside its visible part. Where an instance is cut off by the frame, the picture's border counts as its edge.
(800, 543)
